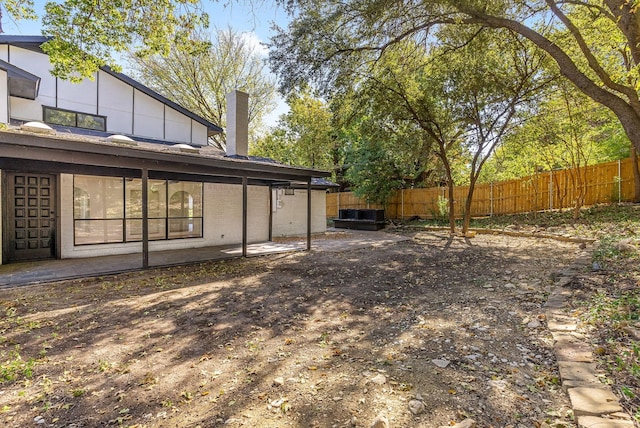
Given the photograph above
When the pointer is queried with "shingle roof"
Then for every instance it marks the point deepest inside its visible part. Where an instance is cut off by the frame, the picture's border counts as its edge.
(135, 149)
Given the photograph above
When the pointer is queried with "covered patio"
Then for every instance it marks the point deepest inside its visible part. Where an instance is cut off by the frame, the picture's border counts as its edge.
(72, 155)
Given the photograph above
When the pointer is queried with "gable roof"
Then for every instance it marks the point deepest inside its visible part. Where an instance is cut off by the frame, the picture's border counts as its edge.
(34, 43)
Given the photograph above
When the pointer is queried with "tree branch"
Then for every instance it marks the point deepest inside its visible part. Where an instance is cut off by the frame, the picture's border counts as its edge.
(630, 93)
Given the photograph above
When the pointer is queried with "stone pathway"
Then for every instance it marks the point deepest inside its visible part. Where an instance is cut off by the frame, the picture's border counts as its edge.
(594, 403)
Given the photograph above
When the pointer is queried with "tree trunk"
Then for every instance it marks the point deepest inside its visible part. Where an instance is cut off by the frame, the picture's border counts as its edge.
(636, 173)
(442, 154)
(452, 207)
(450, 191)
(467, 205)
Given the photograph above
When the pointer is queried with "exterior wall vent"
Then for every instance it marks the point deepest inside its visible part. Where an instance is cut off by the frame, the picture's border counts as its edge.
(37, 127)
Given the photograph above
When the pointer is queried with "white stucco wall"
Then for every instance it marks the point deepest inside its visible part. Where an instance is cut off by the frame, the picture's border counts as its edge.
(148, 116)
(222, 223)
(128, 110)
(177, 126)
(4, 100)
(290, 212)
(38, 64)
(198, 134)
(116, 103)
(81, 97)
(26, 110)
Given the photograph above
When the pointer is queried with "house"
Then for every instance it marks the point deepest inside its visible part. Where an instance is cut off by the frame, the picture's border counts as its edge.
(107, 166)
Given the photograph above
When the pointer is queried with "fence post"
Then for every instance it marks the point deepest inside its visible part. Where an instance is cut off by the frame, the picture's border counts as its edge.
(619, 181)
(491, 200)
(338, 214)
(402, 204)
(550, 190)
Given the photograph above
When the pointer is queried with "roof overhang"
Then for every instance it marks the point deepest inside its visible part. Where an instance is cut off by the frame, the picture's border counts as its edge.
(317, 183)
(25, 150)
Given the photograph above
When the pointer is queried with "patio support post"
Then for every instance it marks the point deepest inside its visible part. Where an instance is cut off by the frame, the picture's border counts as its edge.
(245, 180)
(270, 213)
(309, 214)
(145, 218)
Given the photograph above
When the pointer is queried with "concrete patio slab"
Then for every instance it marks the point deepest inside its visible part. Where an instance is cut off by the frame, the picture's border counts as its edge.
(33, 272)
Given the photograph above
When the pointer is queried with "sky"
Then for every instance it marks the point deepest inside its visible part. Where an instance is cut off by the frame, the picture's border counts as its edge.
(240, 16)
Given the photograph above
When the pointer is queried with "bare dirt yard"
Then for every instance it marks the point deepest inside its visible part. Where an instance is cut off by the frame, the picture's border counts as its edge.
(428, 332)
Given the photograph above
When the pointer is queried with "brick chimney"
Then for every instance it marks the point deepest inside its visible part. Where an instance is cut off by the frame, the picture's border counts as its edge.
(237, 123)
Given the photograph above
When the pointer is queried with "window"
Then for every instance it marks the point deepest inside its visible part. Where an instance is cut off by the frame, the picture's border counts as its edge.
(185, 209)
(58, 116)
(156, 209)
(109, 209)
(98, 209)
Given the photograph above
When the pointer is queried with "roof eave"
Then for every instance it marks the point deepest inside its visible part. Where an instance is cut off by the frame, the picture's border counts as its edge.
(115, 154)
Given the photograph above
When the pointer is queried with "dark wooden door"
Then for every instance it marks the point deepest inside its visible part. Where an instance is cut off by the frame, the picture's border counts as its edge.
(31, 216)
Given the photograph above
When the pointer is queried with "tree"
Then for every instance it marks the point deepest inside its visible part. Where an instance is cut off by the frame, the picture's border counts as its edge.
(565, 140)
(303, 135)
(85, 34)
(404, 105)
(466, 101)
(460, 102)
(325, 36)
(200, 81)
(565, 126)
(384, 149)
(18, 10)
(373, 172)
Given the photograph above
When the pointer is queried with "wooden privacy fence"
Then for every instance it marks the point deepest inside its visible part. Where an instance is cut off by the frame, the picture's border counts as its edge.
(595, 184)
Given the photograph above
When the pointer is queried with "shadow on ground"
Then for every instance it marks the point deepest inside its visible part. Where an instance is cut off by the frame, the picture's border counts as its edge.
(317, 339)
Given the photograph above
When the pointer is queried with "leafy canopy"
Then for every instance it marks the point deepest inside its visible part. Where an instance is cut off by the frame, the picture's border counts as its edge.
(87, 34)
(594, 43)
(200, 81)
(302, 136)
